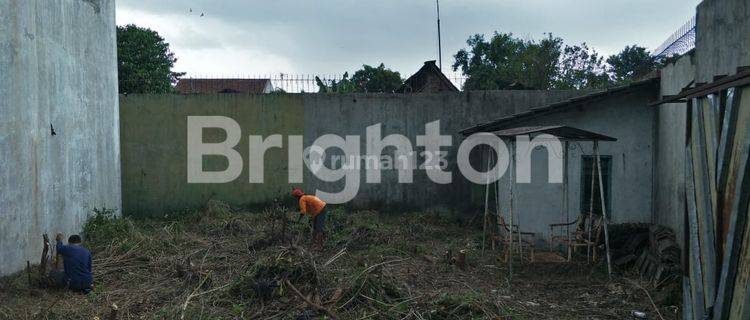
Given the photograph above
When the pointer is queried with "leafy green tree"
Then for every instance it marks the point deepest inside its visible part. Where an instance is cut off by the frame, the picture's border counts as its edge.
(144, 61)
(504, 60)
(580, 68)
(367, 79)
(631, 63)
(380, 79)
(544, 64)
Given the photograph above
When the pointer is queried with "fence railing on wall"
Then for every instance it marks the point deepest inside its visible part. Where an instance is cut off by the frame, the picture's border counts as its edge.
(297, 83)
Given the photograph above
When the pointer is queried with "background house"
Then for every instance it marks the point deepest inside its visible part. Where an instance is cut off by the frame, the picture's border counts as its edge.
(192, 85)
(429, 78)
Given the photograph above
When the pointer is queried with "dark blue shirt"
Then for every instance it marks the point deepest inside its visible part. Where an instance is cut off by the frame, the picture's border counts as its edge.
(77, 262)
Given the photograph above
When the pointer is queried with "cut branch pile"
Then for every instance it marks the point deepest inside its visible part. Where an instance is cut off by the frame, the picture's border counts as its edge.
(220, 263)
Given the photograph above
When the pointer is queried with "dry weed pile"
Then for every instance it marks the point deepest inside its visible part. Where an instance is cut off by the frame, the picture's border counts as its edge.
(219, 263)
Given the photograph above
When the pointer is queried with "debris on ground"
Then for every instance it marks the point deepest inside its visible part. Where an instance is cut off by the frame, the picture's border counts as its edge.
(222, 263)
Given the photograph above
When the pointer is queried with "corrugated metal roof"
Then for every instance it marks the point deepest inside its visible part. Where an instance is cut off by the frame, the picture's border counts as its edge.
(562, 132)
(533, 112)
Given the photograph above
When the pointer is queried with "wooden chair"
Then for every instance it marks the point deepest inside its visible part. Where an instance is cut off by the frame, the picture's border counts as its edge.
(528, 239)
(578, 237)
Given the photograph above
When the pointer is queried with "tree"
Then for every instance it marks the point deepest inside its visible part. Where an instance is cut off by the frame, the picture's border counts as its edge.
(367, 79)
(504, 60)
(631, 63)
(380, 79)
(144, 61)
(580, 68)
(543, 64)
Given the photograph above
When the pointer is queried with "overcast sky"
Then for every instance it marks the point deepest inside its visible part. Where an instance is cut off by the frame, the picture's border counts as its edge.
(249, 37)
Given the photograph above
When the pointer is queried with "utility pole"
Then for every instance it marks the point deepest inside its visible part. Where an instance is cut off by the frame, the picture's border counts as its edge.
(440, 49)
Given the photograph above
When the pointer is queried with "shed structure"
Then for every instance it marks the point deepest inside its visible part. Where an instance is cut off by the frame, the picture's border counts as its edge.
(557, 133)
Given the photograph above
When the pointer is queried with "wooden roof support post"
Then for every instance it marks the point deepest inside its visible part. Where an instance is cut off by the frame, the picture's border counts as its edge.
(486, 199)
(604, 208)
(591, 211)
(518, 224)
(564, 215)
(497, 227)
(511, 177)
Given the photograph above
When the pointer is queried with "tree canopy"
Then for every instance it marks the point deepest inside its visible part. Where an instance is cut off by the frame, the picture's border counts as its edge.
(631, 63)
(144, 61)
(505, 60)
(380, 79)
(367, 79)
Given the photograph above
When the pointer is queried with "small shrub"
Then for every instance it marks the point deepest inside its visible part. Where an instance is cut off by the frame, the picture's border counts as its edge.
(105, 225)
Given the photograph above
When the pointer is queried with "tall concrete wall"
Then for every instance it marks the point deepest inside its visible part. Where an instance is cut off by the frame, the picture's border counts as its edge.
(154, 143)
(670, 161)
(722, 45)
(722, 38)
(154, 149)
(57, 69)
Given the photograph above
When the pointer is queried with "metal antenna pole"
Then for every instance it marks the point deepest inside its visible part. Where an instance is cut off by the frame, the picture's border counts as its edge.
(440, 49)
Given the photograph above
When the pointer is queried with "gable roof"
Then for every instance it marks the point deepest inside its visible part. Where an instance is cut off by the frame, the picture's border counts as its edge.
(418, 81)
(192, 85)
(562, 105)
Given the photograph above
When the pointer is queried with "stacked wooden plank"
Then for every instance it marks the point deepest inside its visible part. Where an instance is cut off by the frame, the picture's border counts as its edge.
(717, 194)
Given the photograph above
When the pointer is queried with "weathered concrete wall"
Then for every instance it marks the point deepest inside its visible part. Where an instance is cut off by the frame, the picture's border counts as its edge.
(154, 149)
(57, 68)
(722, 38)
(408, 115)
(626, 117)
(670, 161)
(154, 143)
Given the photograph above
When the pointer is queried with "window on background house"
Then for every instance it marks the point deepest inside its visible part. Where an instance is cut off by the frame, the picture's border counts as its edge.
(587, 163)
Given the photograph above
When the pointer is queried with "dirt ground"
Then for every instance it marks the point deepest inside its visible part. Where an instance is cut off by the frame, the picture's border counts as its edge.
(222, 264)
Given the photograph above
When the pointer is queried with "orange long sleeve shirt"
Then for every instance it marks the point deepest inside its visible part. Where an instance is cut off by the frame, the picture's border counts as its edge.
(311, 205)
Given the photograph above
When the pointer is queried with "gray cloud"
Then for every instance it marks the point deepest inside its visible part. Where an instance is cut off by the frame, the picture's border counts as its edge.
(330, 36)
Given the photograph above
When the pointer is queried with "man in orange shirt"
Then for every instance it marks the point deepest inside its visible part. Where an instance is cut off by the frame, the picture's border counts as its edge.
(316, 208)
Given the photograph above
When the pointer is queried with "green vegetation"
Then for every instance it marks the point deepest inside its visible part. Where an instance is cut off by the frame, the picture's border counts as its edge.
(144, 61)
(367, 79)
(505, 61)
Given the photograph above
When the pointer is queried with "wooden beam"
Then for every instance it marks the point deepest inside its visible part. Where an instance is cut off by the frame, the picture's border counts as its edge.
(604, 209)
(696, 273)
(735, 204)
(486, 198)
(704, 199)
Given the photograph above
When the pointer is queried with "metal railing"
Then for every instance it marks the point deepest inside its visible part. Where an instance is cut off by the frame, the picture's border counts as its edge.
(297, 83)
